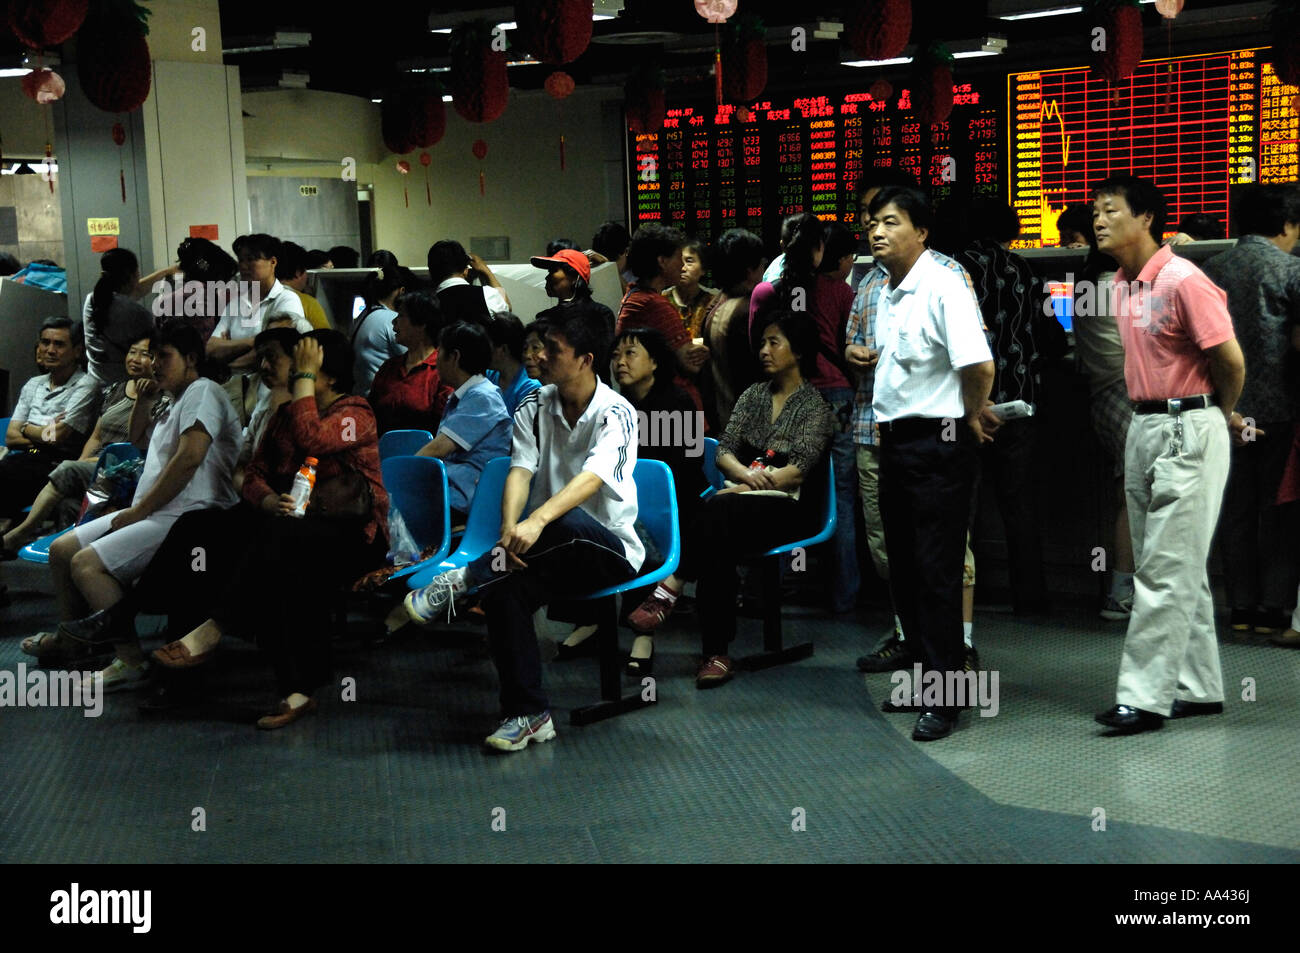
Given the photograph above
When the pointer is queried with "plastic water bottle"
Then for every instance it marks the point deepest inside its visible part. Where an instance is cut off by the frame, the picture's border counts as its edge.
(303, 484)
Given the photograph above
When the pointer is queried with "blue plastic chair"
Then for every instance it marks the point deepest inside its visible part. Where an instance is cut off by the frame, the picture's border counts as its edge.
(656, 495)
(773, 653)
(417, 486)
(402, 443)
(38, 551)
(482, 527)
(710, 465)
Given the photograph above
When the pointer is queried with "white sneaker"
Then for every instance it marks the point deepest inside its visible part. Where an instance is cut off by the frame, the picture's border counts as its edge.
(119, 677)
(424, 604)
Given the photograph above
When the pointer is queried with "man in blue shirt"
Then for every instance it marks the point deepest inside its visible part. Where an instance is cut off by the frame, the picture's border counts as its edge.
(475, 426)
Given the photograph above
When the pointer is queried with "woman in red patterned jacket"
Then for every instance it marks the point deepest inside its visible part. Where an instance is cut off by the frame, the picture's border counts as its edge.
(279, 587)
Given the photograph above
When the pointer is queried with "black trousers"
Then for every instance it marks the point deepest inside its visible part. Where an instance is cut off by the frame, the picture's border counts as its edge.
(725, 530)
(925, 494)
(270, 578)
(1259, 539)
(22, 476)
(1007, 464)
(573, 556)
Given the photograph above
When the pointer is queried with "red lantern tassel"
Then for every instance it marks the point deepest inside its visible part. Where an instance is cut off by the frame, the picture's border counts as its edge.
(406, 197)
(482, 187)
(561, 153)
(121, 177)
(428, 196)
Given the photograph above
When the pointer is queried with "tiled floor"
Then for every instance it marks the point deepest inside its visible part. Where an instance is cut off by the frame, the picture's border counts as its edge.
(398, 775)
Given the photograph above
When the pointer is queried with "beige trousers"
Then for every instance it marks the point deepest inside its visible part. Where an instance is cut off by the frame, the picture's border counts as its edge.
(1175, 470)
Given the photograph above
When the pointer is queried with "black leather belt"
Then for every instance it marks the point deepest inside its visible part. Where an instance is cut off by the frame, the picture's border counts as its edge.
(913, 427)
(1174, 405)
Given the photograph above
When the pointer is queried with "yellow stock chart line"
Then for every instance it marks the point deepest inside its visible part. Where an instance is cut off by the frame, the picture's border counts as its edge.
(1048, 109)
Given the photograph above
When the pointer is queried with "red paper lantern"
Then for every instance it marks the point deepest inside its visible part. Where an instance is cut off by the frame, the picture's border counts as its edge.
(113, 66)
(480, 88)
(559, 85)
(933, 99)
(881, 90)
(425, 159)
(119, 134)
(42, 23)
(745, 114)
(403, 166)
(644, 95)
(1169, 9)
(412, 119)
(1122, 24)
(44, 86)
(744, 65)
(715, 11)
(479, 149)
(556, 31)
(879, 29)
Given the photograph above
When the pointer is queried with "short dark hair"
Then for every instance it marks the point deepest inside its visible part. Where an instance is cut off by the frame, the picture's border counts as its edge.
(559, 244)
(446, 257)
(656, 346)
(507, 330)
(649, 244)
(837, 241)
(287, 338)
(586, 333)
(423, 310)
(1142, 195)
(1201, 226)
(471, 342)
(187, 341)
(737, 253)
(76, 334)
(344, 257)
(382, 258)
(993, 218)
(1267, 209)
(908, 199)
(291, 260)
(611, 240)
(259, 244)
(800, 329)
(316, 258)
(8, 265)
(337, 362)
(1077, 218)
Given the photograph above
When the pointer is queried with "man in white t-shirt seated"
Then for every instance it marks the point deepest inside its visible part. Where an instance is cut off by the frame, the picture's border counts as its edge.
(190, 466)
(260, 294)
(573, 456)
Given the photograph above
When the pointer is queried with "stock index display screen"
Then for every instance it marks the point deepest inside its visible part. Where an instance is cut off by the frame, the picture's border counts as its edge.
(709, 170)
(1196, 125)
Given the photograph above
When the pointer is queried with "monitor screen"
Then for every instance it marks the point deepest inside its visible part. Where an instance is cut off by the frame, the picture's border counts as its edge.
(713, 167)
(358, 305)
(1063, 302)
(1196, 125)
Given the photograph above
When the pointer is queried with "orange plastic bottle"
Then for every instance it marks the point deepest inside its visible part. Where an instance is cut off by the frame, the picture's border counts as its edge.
(303, 484)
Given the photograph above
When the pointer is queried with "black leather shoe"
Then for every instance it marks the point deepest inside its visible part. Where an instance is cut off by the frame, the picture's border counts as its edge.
(893, 656)
(933, 725)
(114, 624)
(1125, 720)
(1184, 709)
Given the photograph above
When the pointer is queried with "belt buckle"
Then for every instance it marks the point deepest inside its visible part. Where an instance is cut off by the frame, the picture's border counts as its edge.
(1175, 405)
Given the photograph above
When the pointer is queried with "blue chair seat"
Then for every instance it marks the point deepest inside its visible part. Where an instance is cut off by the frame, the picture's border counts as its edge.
(38, 551)
(402, 443)
(482, 527)
(417, 487)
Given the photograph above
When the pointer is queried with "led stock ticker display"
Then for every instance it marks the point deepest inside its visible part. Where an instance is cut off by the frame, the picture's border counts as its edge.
(1196, 125)
(709, 169)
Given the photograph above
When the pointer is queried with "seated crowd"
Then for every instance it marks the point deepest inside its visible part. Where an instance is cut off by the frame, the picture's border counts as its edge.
(260, 497)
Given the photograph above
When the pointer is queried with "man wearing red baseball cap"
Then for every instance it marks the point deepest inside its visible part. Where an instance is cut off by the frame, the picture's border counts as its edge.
(568, 274)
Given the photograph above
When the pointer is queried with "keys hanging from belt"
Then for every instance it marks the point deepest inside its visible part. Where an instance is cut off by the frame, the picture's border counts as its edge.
(1177, 445)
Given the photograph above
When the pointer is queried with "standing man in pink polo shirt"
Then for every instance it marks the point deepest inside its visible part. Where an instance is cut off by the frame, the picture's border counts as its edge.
(1184, 372)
